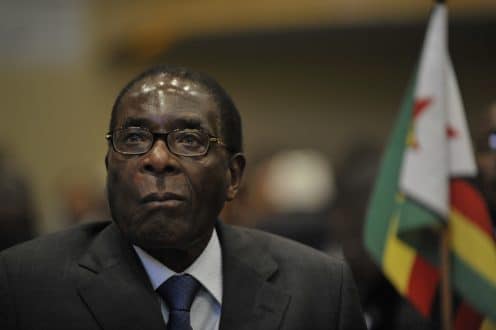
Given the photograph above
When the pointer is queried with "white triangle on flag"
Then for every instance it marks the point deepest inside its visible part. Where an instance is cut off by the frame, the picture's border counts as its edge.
(425, 169)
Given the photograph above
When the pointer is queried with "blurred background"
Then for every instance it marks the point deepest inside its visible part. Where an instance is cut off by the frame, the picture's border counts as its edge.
(318, 83)
(314, 74)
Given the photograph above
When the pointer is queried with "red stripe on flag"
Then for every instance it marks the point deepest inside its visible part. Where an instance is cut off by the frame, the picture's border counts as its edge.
(467, 318)
(468, 201)
(422, 286)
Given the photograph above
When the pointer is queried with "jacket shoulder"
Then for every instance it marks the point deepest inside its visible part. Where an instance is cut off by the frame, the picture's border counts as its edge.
(69, 242)
(282, 249)
(320, 286)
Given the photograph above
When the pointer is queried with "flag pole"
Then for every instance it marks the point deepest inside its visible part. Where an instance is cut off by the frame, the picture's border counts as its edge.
(446, 293)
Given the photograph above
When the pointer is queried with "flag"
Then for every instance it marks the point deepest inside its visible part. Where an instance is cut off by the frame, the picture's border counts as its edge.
(426, 184)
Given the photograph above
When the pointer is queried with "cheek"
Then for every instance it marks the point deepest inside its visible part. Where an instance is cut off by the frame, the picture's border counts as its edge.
(120, 179)
(209, 181)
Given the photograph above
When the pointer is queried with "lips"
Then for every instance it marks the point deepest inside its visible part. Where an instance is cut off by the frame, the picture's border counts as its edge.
(163, 199)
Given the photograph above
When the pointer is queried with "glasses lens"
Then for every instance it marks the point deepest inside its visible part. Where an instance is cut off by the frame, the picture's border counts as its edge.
(188, 142)
(133, 140)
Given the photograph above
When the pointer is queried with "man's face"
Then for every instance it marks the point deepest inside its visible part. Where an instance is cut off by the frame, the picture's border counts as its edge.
(160, 200)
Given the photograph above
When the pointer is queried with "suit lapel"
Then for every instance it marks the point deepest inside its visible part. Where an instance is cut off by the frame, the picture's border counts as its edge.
(250, 300)
(115, 287)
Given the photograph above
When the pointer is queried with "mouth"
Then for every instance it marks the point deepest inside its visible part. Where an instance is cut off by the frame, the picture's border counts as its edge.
(167, 200)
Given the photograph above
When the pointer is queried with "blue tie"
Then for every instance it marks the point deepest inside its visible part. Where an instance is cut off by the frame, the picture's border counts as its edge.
(178, 293)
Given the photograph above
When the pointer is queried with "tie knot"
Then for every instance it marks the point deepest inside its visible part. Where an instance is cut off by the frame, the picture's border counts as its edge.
(179, 291)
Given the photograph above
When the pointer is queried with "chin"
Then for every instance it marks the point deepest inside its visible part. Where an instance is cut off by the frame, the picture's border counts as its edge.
(148, 244)
(159, 232)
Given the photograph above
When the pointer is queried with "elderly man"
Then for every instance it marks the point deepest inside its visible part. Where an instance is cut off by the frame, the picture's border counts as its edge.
(174, 157)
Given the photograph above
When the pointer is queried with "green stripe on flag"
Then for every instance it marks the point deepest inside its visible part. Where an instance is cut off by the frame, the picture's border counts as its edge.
(415, 216)
(419, 228)
(383, 200)
(476, 289)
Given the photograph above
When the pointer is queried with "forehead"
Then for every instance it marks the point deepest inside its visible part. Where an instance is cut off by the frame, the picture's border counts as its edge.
(164, 100)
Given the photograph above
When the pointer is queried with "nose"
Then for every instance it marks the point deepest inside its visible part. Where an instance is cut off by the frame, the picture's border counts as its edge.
(159, 160)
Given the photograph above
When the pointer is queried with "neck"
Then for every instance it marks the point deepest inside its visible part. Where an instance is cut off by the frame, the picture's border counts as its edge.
(178, 259)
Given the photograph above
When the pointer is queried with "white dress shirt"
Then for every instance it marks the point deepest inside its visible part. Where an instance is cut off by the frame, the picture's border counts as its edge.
(207, 269)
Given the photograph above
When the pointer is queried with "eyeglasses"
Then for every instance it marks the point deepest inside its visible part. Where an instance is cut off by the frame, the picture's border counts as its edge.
(181, 142)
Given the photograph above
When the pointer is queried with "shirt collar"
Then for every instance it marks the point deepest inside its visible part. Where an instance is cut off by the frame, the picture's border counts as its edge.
(207, 268)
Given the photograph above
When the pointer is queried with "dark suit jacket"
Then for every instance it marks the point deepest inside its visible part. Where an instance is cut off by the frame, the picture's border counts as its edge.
(89, 277)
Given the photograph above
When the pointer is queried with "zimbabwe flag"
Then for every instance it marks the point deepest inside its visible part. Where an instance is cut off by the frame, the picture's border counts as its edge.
(425, 185)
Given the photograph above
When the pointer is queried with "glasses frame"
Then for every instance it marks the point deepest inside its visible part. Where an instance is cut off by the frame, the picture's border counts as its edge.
(211, 138)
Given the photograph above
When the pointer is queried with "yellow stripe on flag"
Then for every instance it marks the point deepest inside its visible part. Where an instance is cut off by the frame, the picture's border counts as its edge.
(473, 246)
(488, 325)
(398, 259)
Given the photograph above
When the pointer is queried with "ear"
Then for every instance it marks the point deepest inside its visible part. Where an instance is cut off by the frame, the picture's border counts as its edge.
(106, 160)
(235, 174)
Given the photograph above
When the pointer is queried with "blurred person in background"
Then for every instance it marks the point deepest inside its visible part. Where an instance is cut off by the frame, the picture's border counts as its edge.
(251, 204)
(81, 202)
(174, 158)
(485, 154)
(17, 223)
(295, 189)
(383, 307)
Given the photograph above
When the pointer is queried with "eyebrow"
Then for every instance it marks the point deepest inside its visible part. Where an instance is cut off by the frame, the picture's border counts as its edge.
(188, 123)
(181, 123)
(136, 122)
